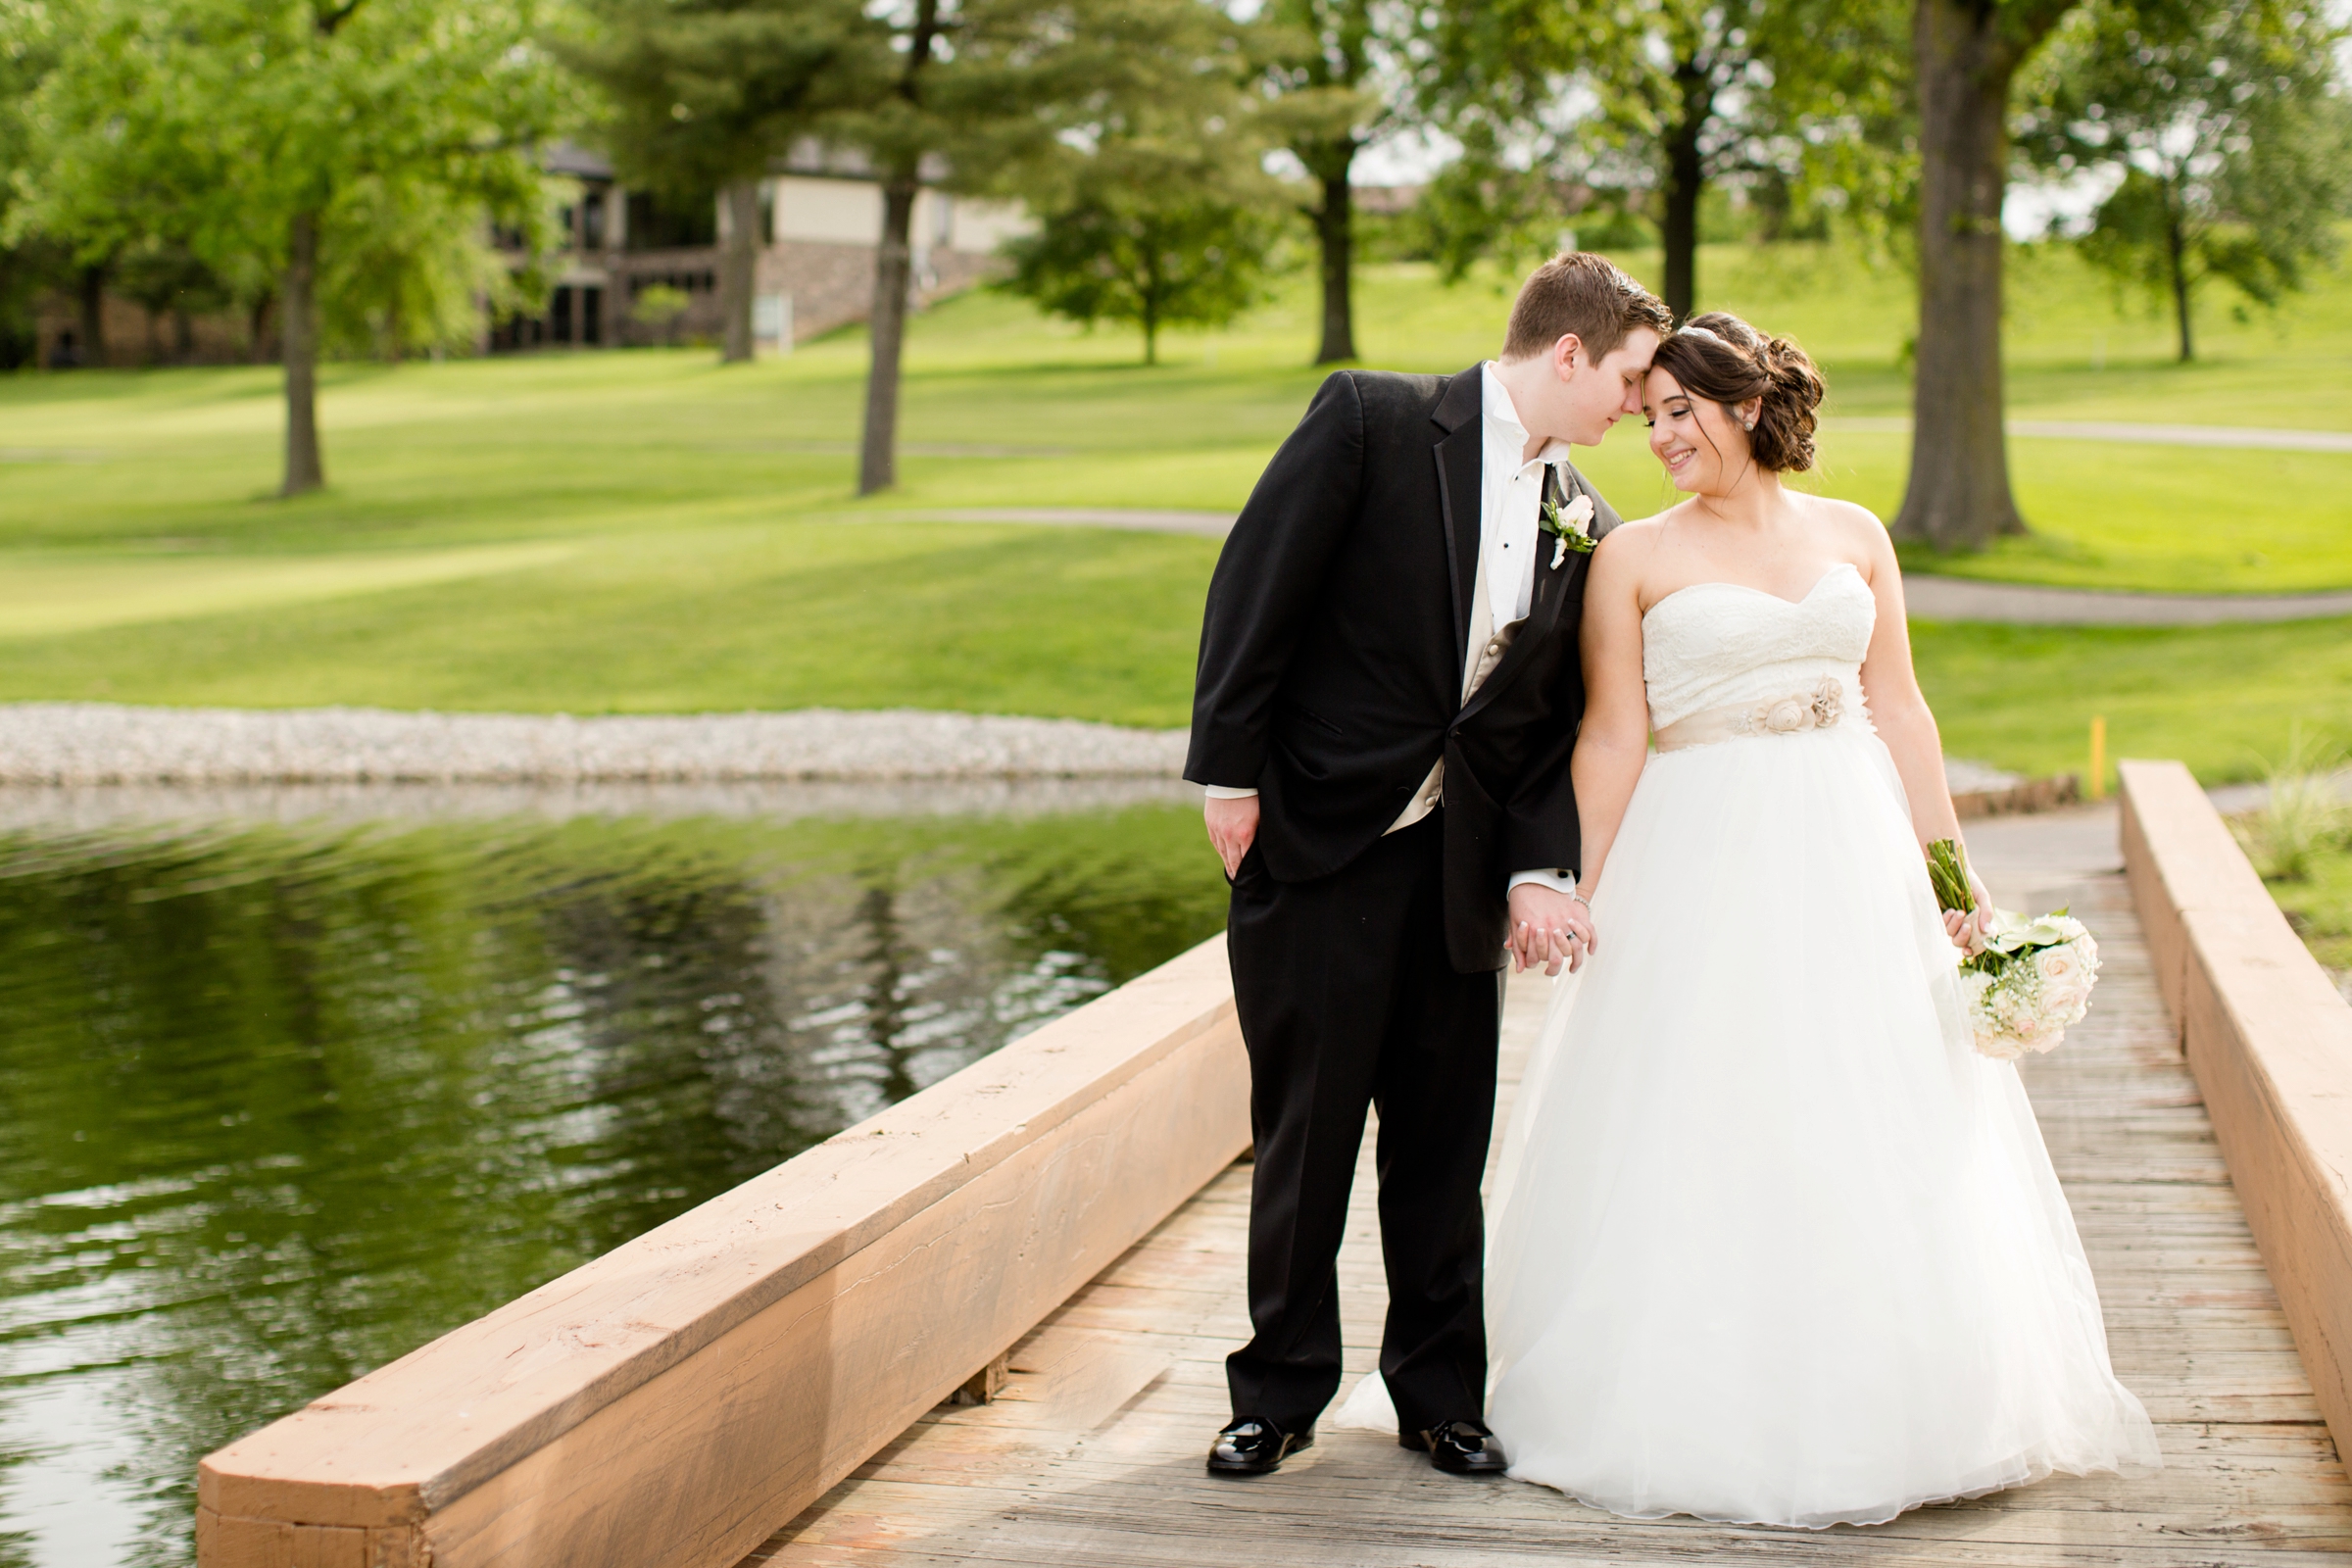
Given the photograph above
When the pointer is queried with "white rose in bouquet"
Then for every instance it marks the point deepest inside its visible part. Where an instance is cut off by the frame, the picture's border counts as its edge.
(2066, 973)
(2034, 978)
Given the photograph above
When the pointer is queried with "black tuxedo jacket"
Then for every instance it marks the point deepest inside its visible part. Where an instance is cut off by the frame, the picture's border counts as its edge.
(1334, 645)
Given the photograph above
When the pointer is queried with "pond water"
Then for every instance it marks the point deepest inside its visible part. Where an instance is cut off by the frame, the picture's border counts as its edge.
(289, 1093)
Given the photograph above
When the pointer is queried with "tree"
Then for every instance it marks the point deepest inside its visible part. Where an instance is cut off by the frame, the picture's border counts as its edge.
(1666, 80)
(2223, 123)
(1153, 208)
(974, 95)
(29, 262)
(1154, 258)
(278, 138)
(1321, 66)
(1967, 54)
(700, 95)
(1641, 106)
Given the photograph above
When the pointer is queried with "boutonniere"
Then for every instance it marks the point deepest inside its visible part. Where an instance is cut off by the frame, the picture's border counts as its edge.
(1571, 525)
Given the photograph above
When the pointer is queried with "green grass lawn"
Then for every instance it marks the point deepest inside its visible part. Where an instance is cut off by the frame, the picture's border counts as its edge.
(2319, 906)
(649, 531)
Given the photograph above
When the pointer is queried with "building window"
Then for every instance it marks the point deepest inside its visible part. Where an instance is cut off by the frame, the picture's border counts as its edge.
(592, 221)
(659, 225)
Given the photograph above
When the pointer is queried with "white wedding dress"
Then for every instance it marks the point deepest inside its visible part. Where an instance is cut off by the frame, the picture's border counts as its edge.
(1772, 1243)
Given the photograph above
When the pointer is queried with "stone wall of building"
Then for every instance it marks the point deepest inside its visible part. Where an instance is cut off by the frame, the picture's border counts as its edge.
(136, 337)
(830, 286)
(833, 285)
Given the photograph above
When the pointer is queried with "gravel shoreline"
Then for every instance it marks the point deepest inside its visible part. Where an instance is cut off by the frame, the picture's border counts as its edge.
(110, 745)
(107, 743)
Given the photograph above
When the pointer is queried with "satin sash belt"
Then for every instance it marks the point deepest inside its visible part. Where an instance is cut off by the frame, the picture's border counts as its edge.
(1783, 715)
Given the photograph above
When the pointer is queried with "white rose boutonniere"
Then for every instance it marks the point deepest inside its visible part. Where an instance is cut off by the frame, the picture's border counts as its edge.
(1571, 525)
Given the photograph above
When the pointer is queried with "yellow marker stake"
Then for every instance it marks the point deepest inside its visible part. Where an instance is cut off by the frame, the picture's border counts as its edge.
(2098, 757)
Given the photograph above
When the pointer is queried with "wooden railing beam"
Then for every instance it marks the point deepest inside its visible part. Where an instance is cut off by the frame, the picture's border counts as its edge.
(2270, 1041)
(673, 1403)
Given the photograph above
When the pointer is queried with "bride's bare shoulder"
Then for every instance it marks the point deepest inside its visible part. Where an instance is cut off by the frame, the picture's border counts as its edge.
(1641, 534)
(1856, 529)
(1622, 549)
(1843, 514)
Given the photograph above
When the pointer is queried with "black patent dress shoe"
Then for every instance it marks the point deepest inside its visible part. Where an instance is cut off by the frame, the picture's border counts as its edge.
(1253, 1447)
(1460, 1448)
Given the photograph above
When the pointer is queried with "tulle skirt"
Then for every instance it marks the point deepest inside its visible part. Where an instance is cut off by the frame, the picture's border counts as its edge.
(1772, 1243)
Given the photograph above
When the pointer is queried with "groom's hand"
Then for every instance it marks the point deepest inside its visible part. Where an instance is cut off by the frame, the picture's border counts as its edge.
(1548, 928)
(1232, 829)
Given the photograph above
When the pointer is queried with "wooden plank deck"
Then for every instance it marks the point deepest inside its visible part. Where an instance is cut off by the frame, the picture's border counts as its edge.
(1091, 1454)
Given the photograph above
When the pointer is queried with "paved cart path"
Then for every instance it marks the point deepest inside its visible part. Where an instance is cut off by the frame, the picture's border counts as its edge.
(1092, 1453)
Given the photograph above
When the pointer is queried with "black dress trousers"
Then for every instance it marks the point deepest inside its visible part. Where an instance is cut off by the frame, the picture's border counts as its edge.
(1347, 999)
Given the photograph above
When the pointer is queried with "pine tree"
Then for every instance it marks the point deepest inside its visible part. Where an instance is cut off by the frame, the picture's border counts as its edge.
(699, 96)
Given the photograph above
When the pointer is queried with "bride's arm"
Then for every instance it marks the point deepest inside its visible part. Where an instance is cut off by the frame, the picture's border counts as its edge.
(1613, 741)
(1899, 709)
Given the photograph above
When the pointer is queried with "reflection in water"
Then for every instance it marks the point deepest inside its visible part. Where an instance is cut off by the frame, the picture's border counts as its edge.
(283, 1103)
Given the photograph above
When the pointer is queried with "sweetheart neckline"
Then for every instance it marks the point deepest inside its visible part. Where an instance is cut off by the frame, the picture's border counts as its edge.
(1763, 593)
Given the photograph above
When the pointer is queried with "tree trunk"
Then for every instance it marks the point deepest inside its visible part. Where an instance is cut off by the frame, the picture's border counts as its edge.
(2177, 244)
(300, 330)
(1335, 231)
(257, 329)
(1959, 497)
(738, 266)
(1686, 183)
(1679, 233)
(1150, 331)
(92, 298)
(878, 464)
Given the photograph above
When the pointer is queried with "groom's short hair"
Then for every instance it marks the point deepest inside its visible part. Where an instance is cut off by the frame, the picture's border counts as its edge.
(1579, 292)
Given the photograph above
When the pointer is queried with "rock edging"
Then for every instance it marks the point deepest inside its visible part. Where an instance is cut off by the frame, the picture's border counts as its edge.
(105, 743)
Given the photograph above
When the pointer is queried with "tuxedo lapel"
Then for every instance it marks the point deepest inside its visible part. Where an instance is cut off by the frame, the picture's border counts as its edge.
(1553, 588)
(1460, 458)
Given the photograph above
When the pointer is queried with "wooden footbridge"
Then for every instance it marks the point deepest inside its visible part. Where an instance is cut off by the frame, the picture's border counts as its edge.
(987, 1327)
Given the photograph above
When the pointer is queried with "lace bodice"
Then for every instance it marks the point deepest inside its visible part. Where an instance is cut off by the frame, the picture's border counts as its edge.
(1715, 644)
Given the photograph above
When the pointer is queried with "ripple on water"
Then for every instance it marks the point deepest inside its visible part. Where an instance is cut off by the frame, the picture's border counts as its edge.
(285, 1101)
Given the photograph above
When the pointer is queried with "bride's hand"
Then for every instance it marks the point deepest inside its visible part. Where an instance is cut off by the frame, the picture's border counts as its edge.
(1549, 928)
(1966, 929)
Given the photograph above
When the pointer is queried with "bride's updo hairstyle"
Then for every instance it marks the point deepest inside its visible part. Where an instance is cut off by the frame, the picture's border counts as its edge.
(1721, 357)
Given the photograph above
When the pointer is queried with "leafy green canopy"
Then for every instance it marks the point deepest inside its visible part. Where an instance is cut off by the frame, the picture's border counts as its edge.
(699, 93)
(1148, 257)
(1630, 110)
(1152, 205)
(2224, 128)
(402, 128)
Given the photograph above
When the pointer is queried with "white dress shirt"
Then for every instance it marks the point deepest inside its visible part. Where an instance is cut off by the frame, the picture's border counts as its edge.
(1510, 493)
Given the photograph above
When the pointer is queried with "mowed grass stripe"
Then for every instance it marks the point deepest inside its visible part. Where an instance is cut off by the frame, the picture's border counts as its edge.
(45, 595)
(1054, 621)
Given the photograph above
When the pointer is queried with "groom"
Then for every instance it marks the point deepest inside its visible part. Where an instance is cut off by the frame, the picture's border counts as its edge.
(1387, 695)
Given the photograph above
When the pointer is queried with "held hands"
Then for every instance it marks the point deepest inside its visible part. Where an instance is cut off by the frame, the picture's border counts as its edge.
(1232, 829)
(1549, 928)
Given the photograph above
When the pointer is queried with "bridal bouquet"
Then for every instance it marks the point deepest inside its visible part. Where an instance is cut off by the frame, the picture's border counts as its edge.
(2033, 977)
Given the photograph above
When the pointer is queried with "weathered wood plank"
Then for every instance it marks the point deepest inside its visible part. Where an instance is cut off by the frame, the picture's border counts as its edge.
(2194, 1324)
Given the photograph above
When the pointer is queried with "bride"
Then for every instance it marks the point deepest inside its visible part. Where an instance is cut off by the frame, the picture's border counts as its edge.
(1774, 1244)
